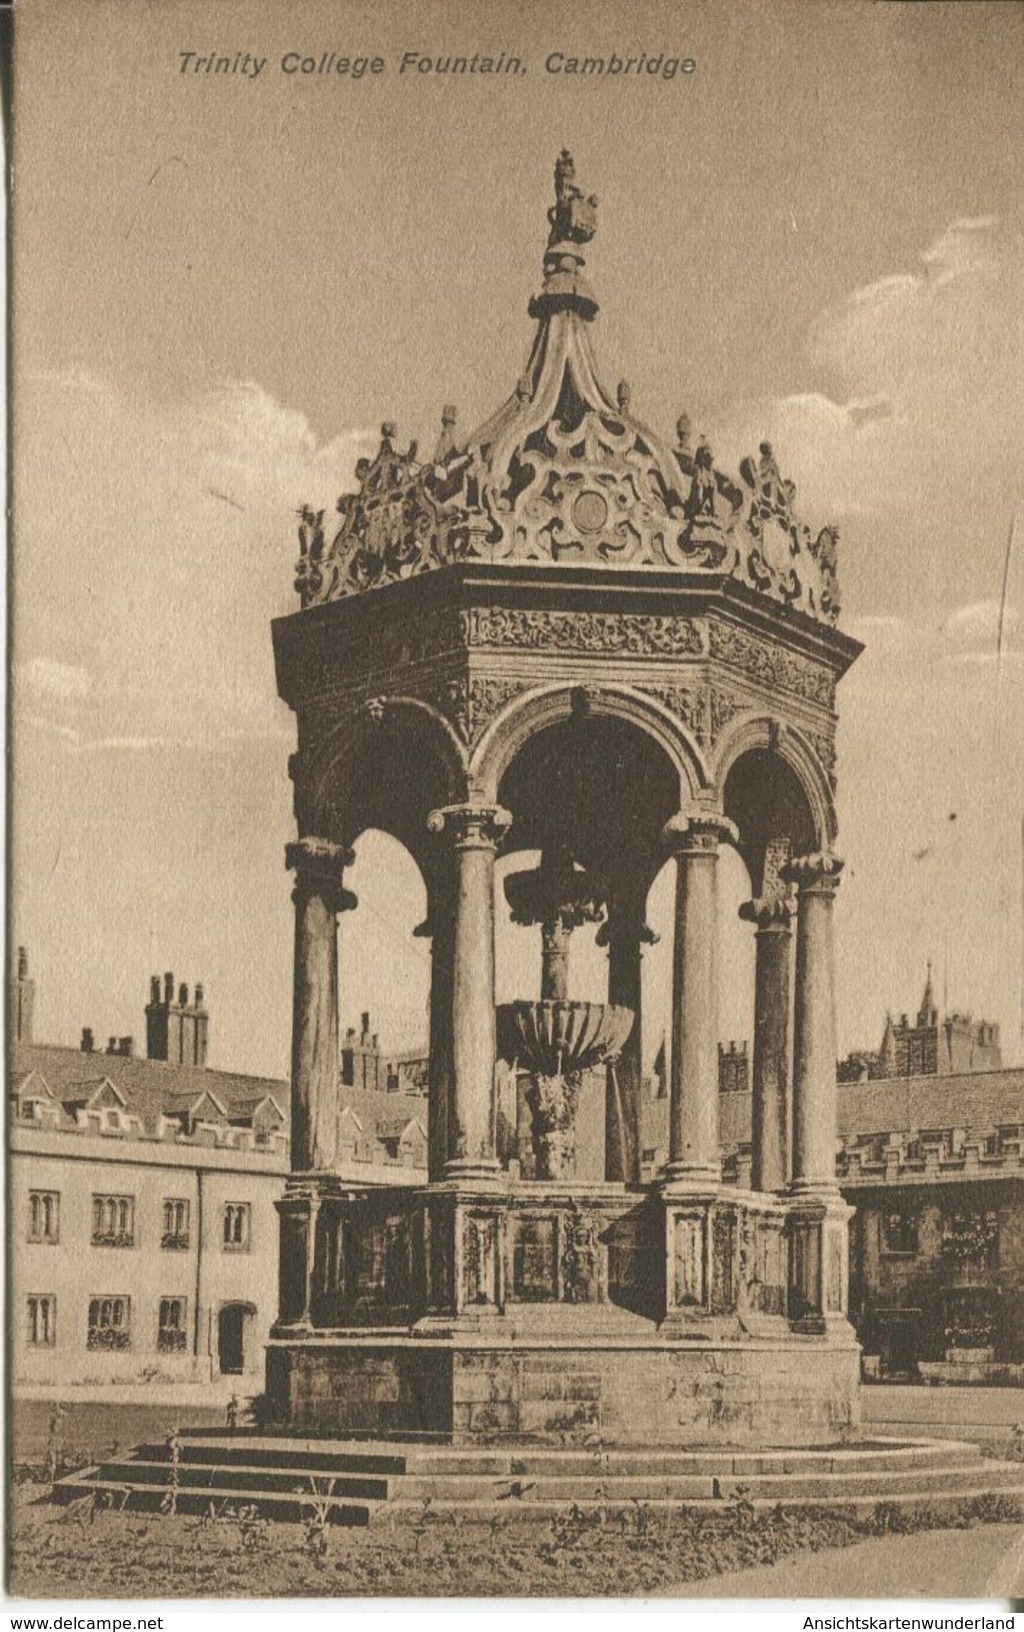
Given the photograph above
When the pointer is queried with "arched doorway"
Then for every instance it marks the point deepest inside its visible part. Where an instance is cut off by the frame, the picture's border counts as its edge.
(234, 1339)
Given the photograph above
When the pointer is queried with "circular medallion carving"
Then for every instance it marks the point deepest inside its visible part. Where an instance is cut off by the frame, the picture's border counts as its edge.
(590, 512)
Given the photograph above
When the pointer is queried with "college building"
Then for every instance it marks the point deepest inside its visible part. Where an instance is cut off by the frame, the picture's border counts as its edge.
(143, 1191)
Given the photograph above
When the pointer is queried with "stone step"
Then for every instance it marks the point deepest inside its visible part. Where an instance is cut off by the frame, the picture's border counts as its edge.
(427, 1461)
(286, 1481)
(267, 1453)
(293, 1479)
(940, 1503)
(879, 1486)
(684, 1488)
(151, 1499)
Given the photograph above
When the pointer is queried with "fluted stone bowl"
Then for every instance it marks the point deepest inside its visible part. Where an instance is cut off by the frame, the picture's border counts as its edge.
(552, 1038)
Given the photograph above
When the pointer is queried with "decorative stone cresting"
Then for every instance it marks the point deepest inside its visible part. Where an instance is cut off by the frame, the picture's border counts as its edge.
(564, 473)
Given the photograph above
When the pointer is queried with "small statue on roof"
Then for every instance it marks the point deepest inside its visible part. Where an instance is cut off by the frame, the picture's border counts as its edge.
(573, 216)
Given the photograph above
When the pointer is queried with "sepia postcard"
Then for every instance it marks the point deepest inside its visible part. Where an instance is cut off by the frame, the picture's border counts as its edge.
(515, 1008)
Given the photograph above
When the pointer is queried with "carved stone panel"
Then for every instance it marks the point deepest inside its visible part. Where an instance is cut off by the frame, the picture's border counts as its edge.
(581, 1256)
(534, 1260)
(723, 1277)
(398, 1261)
(480, 1259)
(688, 1261)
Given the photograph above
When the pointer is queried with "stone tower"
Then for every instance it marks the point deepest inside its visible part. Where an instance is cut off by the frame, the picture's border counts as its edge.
(563, 633)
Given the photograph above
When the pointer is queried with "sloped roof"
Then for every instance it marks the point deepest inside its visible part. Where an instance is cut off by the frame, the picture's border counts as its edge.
(149, 1088)
(397, 1127)
(386, 1114)
(976, 1099)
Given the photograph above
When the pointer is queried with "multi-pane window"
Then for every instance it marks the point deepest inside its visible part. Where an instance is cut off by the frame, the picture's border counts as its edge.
(113, 1221)
(109, 1323)
(899, 1233)
(175, 1232)
(42, 1321)
(44, 1215)
(237, 1220)
(171, 1330)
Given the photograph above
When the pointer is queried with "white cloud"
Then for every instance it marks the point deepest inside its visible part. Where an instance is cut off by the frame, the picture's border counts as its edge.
(45, 677)
(916, 441)
(154, 543)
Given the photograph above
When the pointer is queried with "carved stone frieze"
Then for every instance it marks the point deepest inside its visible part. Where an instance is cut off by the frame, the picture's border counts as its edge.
(772, 665)
(635, 634)
(325, 666)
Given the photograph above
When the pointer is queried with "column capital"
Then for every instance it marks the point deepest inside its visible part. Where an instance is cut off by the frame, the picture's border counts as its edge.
(698, 832)
(628, 926)
(471, 827)
(319, 865)
(817, 874)
(769, 913)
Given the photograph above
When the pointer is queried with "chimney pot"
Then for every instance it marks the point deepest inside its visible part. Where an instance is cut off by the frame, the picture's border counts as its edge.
(154, 988)
(169, 988)
(22, 963)
(112, 1045)
(88, 1042)
(125, 1046)
(183, 995)
(199, 995)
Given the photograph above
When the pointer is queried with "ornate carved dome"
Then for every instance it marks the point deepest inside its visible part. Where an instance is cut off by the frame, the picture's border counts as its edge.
(565, 473)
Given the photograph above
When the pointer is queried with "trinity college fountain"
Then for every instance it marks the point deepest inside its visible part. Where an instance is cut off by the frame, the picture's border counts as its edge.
(566, 635)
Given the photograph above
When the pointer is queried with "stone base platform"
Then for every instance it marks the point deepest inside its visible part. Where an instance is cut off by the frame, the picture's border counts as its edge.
(627, 1387)
(287, 1477)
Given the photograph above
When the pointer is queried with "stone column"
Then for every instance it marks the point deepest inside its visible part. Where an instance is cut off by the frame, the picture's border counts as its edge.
(819, 1217)
(559, 897)
(769, 1110)
(814, 1025)
(555, 936)
(319, 897)
(694, 1158)
(625, 934)
(438, 927)
(474, 832)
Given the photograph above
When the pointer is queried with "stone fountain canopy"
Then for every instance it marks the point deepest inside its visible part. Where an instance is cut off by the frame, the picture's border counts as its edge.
(565, 473)
(596, 646)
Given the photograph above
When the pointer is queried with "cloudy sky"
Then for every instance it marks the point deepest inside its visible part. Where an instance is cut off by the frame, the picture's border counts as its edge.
(223, 285)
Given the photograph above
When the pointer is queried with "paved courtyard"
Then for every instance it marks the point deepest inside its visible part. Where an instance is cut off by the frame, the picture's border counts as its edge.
(986, 1563)
(987, 1415)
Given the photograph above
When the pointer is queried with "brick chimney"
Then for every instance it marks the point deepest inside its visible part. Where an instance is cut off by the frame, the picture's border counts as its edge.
(176, 1031)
